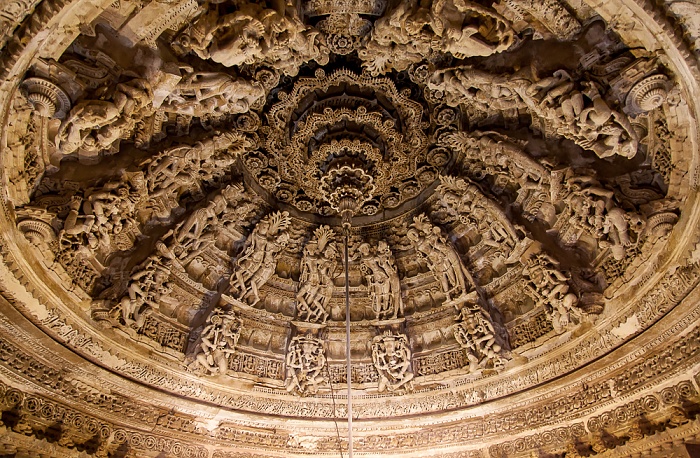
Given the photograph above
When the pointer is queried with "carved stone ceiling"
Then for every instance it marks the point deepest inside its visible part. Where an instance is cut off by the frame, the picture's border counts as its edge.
(520, 178)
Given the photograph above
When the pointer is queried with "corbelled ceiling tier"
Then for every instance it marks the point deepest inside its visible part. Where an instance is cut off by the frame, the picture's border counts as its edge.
(519, 181)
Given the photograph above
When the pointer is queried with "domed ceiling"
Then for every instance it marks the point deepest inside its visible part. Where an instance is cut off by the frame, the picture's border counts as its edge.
(496, 199)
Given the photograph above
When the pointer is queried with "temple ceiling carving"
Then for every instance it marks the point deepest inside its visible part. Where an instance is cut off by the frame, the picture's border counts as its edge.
(515, 182)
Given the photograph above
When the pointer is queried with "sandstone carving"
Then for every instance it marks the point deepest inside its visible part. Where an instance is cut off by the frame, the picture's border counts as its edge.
(382, 280)
(318, 269)
(305, 363)
(392, 358)
(218, 342)
(258, 260)
(443, 260)
(515, 183)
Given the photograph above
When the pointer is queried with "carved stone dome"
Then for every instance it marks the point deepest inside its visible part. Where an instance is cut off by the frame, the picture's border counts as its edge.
(513, 182)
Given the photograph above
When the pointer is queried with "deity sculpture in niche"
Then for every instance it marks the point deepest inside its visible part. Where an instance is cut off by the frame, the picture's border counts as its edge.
(442, 259)
(218, 342)
(392, 358)
(318, 266)
(259, 259)
(475, 334)
(305, 361)
(382, 280)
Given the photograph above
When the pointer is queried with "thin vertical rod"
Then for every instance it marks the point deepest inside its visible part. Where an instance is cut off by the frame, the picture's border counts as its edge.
(347, 342)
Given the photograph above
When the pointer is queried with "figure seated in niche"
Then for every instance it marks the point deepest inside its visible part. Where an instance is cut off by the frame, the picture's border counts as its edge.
(305, 361)
(382, 280)
(218, 343)
(392, 358)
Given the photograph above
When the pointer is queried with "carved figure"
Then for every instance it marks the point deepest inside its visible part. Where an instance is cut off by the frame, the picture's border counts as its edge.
(218, 342)
(582, 115)
(392, 358)
(97, 124)
(255, 35)
(259, 259)
(548, 287)
(594, 212)
(146, 286)
(180, 169)
(382, 280)
(316, 281)
(410, 32)
(210, 93)
(442, 259)
(305, 361)
(475, 334)
(76, 224)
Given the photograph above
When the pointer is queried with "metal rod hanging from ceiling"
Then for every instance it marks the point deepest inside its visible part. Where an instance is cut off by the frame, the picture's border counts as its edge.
(347, 340)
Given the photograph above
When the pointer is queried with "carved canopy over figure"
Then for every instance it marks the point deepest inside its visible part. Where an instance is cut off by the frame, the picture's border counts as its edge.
(259, 259)
(411, 32)
(318, 266)
(392, 358)
(475, 334)
(382, 280)
(442, 259)
(305, 361)
(255, 35)
(218, 342)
